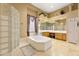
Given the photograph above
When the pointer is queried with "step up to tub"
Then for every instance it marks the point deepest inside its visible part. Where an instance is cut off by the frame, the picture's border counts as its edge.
(27, 50)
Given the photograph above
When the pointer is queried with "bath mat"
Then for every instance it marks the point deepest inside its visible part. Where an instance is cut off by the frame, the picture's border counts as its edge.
(27, 50)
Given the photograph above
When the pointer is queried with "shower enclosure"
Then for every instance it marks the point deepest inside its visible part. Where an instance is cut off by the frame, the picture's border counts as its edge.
(9, 28)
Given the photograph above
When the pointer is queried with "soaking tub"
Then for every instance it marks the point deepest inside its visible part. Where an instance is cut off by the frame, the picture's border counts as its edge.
(40, 43)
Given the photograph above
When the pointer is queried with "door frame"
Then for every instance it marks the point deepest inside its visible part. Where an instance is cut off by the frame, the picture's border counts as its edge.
(28, 22)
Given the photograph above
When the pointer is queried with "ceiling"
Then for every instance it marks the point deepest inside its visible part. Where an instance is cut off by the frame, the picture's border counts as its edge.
(50, 7)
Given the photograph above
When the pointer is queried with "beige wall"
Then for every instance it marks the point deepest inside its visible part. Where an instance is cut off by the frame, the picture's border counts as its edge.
(25, 9)
(66, 9)
(57, 12)
(32, 10)
(29, 9)
(24, 24)
(23, 19)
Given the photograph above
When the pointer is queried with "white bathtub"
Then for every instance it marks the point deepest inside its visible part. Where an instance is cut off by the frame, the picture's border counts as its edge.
(40, 43)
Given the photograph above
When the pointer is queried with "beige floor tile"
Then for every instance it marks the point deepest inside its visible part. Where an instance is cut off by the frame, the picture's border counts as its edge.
(59, 48)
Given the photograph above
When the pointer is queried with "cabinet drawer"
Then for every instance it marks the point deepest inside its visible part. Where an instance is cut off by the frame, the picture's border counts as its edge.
(5, 51)
(4, 23)
(45, 34)
(64, 37)
(60, 36)
(3, 46)
(4, 28)
(4, 34)
(4, 40)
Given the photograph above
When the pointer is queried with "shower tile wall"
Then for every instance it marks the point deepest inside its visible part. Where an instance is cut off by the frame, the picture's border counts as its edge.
(9, 28)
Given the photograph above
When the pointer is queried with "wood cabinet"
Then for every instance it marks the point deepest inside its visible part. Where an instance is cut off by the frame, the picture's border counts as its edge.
(64, 37)
(45, 34)
(60, 36)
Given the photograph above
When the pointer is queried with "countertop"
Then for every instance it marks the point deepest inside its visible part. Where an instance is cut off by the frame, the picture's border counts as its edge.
(52, 31)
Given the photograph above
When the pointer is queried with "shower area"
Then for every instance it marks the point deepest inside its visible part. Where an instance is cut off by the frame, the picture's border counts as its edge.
(9, 28)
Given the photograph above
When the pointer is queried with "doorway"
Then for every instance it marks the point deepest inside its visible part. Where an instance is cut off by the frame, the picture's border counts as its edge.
(32, 27)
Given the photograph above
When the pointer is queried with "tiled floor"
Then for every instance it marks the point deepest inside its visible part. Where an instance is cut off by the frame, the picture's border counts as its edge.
(59, 48)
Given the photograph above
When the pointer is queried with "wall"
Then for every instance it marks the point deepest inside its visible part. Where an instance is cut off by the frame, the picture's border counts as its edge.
(9, 28)
(24, 10)
(23, 19)
(57, 12)
(69, 12)
(66, 9)
(32, 10)
(28, 9)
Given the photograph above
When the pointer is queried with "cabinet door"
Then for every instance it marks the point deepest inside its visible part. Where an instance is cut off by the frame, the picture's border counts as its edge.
(64, 37)
(59, 36)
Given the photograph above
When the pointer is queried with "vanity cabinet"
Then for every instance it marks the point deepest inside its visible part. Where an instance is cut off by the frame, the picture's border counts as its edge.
(45, 34)
(60, 36)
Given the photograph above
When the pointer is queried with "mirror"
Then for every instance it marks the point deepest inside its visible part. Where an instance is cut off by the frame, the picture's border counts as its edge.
(46, 26)
(60, 24)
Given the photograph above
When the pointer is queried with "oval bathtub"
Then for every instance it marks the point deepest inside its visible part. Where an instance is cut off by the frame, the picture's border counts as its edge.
(40, 43)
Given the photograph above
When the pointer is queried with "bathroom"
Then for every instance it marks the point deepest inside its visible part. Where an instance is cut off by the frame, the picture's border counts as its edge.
(25, 24)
